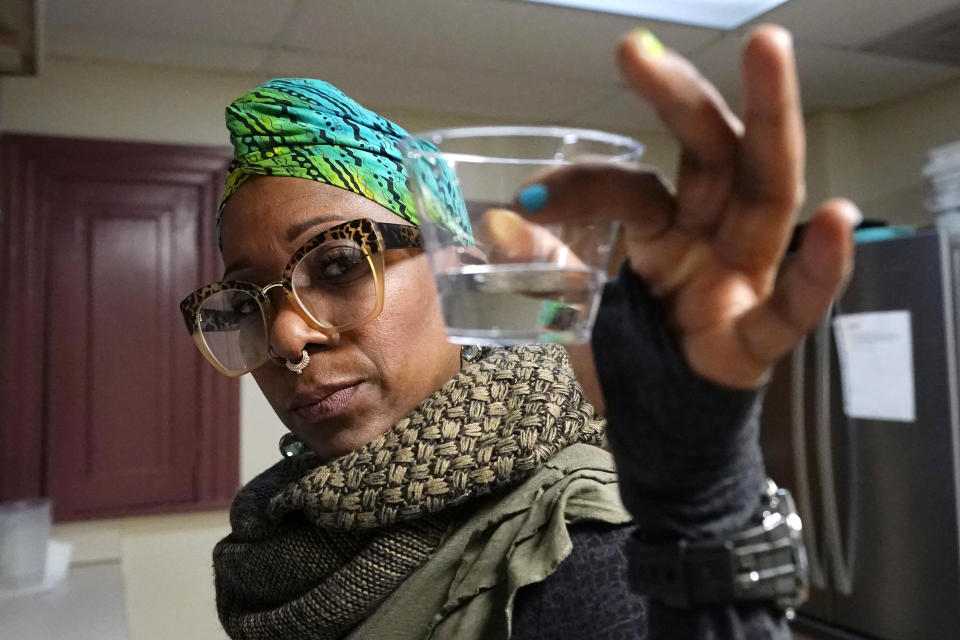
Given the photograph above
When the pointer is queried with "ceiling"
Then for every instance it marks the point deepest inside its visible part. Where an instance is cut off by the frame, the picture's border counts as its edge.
(496, 59)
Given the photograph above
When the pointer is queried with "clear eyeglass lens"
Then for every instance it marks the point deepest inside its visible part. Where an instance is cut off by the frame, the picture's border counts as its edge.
(234, 328)
(335, 283)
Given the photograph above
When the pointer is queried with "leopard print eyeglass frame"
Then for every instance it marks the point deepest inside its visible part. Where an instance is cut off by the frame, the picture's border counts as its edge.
(334, 282)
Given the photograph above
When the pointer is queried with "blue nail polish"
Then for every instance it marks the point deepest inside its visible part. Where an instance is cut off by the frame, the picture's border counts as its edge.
(533, 197)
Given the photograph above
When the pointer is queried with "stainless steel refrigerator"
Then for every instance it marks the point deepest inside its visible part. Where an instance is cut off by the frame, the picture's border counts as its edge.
(879, 496)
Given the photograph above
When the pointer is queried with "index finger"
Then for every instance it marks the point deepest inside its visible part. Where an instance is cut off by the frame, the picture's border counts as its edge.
(688, 104)
(697, 115)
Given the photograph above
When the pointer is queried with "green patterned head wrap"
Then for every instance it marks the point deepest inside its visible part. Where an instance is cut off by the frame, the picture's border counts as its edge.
(302, 128)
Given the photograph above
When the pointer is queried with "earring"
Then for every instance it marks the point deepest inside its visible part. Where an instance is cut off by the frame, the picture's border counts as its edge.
(290, 445)
(471, 352)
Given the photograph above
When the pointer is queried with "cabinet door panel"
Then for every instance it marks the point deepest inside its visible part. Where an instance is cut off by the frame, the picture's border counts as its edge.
(131, 420)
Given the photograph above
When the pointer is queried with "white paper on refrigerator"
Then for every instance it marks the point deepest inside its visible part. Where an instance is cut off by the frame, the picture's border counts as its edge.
(876, 365)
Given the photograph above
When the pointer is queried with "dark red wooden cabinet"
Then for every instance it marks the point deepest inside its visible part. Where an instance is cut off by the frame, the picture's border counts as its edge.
(107, 407)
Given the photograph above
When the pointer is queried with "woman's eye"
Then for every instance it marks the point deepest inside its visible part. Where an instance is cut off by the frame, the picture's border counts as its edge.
(246, 308)
(341, 264)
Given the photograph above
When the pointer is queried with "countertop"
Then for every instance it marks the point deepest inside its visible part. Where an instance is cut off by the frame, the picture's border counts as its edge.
(87, 605)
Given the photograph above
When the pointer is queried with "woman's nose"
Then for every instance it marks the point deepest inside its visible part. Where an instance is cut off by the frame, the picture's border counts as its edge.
(290, 333)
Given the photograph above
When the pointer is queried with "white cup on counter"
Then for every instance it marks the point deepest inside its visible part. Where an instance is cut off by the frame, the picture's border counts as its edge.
(24, 532)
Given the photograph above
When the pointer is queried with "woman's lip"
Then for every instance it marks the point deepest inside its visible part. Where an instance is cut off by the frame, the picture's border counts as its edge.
(327, 406)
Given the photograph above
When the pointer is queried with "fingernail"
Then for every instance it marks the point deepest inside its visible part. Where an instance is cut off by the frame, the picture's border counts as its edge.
(853, 214)
(533, 197)
(650, 45)
(857, 218)
(783, 35)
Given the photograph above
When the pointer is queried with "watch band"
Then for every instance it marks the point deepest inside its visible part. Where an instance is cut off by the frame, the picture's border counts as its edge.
(767, 561)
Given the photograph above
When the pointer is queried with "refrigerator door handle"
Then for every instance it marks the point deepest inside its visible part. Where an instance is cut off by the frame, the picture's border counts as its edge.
(842, 570)
(798, 430)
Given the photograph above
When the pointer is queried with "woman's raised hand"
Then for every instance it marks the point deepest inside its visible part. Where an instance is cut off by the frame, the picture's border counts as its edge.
(710, 251)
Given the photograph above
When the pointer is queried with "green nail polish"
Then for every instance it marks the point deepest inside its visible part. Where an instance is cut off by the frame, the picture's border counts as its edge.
(650, 45)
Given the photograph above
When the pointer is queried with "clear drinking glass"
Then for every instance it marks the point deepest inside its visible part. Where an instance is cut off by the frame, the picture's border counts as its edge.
(545, 285)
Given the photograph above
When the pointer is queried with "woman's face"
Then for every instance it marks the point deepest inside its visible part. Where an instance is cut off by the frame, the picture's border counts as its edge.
(362, 381)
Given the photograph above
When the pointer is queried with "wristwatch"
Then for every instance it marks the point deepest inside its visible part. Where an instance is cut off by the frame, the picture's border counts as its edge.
(767, 561)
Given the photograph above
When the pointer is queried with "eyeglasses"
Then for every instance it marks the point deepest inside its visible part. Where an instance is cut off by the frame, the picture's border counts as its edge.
(334, 281)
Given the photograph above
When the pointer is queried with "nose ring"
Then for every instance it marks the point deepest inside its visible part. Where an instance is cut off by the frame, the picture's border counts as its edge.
(296, 367)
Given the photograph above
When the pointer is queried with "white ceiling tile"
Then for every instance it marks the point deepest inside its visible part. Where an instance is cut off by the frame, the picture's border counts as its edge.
(493, 35)
(149, 50)
(851, 23)
(829, 77)
(247, 22)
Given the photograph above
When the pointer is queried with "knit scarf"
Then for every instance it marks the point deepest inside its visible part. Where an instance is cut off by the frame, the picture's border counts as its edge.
(315, 547)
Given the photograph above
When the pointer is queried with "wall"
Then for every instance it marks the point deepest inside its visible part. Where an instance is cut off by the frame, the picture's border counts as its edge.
(138, 102)
(122, 102)
(876, 155)
(833, 158)
(894, 138)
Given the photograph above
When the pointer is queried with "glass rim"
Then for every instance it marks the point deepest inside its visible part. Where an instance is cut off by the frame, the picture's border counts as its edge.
(633, 149)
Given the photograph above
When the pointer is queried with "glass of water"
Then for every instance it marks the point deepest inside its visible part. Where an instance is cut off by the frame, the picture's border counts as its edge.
(502, 279)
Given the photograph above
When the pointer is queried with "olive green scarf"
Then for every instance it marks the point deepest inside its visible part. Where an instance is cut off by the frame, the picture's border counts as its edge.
(433, 526)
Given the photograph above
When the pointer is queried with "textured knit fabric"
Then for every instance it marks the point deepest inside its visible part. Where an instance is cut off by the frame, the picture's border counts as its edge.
(302, 128)
(315, 547)
(466, 590)
(588, 596)
(687, 452)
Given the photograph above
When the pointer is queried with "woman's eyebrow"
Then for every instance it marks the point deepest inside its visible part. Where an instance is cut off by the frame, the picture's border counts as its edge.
(295, 231)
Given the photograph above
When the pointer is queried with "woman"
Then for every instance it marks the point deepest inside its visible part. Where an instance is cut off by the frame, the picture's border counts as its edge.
(442, 493)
